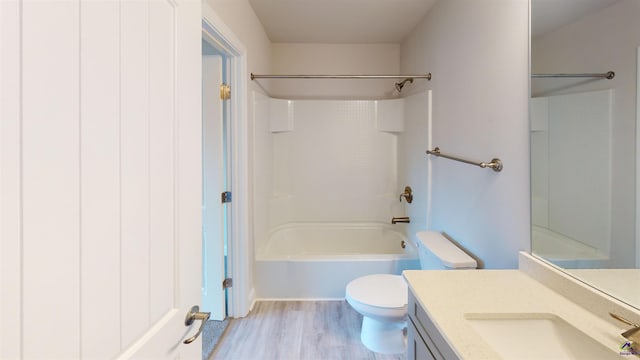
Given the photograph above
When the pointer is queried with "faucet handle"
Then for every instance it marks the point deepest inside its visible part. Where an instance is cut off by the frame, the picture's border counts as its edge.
(631, 334)
(407, 194)
(621, 319)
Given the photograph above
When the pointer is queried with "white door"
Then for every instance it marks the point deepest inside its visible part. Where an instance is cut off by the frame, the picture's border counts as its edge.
(214, 183)
(100, 178)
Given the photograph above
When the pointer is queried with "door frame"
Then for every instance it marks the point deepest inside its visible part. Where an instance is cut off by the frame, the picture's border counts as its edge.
(242, 294)
(637, 140)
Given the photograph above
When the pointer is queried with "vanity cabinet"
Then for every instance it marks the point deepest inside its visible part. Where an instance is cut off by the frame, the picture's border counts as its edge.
(424, 341)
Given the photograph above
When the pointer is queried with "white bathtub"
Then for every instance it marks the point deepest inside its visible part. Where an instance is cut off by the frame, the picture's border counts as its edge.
(564, 251)
(316, 261)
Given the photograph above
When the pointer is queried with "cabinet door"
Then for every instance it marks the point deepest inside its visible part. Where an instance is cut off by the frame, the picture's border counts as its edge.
(417, 348)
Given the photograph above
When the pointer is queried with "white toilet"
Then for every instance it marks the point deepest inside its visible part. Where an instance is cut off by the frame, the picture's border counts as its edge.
(382, 298)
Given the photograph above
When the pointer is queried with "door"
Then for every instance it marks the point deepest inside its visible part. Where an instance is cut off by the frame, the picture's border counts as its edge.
(214, 155)
(100, 179)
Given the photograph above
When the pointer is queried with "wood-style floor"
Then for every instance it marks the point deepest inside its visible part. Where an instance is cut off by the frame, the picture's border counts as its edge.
(297, 330)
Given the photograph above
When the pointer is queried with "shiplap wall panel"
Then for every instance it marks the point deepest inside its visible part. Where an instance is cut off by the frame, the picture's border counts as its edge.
(100, 171)
(10, 253)
(88, 121)
(134, 105)
(162, 115)
(51, 179)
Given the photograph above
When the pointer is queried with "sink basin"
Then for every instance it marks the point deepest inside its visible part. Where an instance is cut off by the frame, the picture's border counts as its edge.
(537, 336)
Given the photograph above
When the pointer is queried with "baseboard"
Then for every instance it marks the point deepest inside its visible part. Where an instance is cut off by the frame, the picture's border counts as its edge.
(252, 299)
(299, 299)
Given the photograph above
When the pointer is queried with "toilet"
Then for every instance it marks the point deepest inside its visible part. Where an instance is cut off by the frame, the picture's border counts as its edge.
(382, 299)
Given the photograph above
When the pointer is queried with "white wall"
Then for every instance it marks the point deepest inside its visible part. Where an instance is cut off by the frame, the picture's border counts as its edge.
(334, 59)
(477, 52)
(606, 40)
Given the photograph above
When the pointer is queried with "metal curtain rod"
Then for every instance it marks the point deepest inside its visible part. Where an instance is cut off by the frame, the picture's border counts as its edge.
(495, 164)
(421, 76)
(608, 75)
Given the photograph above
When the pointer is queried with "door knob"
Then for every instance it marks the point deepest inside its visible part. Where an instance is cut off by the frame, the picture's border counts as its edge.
(193, 315)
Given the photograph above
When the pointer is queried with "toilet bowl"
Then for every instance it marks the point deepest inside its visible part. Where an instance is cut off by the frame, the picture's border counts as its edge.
(382, 299)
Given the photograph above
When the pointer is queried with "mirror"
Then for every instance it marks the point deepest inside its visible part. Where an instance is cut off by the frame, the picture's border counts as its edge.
(583, 141)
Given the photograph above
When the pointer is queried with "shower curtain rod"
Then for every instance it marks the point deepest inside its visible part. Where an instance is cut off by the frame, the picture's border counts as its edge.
(421, 76)
(608, 75)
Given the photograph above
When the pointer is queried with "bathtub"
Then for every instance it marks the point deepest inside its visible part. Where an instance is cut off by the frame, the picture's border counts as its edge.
(317, 260)
(564, 251)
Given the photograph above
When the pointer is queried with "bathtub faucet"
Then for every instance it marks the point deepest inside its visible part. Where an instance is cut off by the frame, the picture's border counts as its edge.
(407, 194)
(404, 219)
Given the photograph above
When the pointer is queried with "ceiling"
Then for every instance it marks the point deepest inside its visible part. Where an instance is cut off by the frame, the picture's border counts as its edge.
(549, 15)
(385, 21)
(340, 21)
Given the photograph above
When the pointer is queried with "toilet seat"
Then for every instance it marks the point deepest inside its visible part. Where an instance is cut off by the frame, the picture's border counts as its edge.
(382, 291)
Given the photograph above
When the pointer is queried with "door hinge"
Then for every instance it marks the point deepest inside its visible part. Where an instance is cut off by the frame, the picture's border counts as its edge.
(226, 197)
(225, 91)
(227, 283)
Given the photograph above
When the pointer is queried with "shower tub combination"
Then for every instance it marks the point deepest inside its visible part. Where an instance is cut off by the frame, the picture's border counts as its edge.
(564, 251)
(317, 260)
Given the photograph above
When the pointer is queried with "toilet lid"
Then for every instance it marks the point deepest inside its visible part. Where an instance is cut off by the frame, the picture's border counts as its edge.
(380, 290)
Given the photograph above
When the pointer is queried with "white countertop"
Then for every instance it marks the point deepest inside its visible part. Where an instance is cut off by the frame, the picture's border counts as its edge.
(448, 295)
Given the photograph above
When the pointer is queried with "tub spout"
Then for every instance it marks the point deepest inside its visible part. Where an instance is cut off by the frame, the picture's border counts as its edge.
(404, 219)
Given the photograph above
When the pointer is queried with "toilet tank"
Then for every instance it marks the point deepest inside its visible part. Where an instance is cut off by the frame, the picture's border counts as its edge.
(439, 253)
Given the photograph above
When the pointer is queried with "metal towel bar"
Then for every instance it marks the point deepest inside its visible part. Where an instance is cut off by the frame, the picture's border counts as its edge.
(495, 164)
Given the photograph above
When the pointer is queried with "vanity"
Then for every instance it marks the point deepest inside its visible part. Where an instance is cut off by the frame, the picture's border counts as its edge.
(535, 312)
(422, 334)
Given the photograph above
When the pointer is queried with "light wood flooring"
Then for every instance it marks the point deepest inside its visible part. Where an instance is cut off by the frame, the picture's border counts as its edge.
(297, 330)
